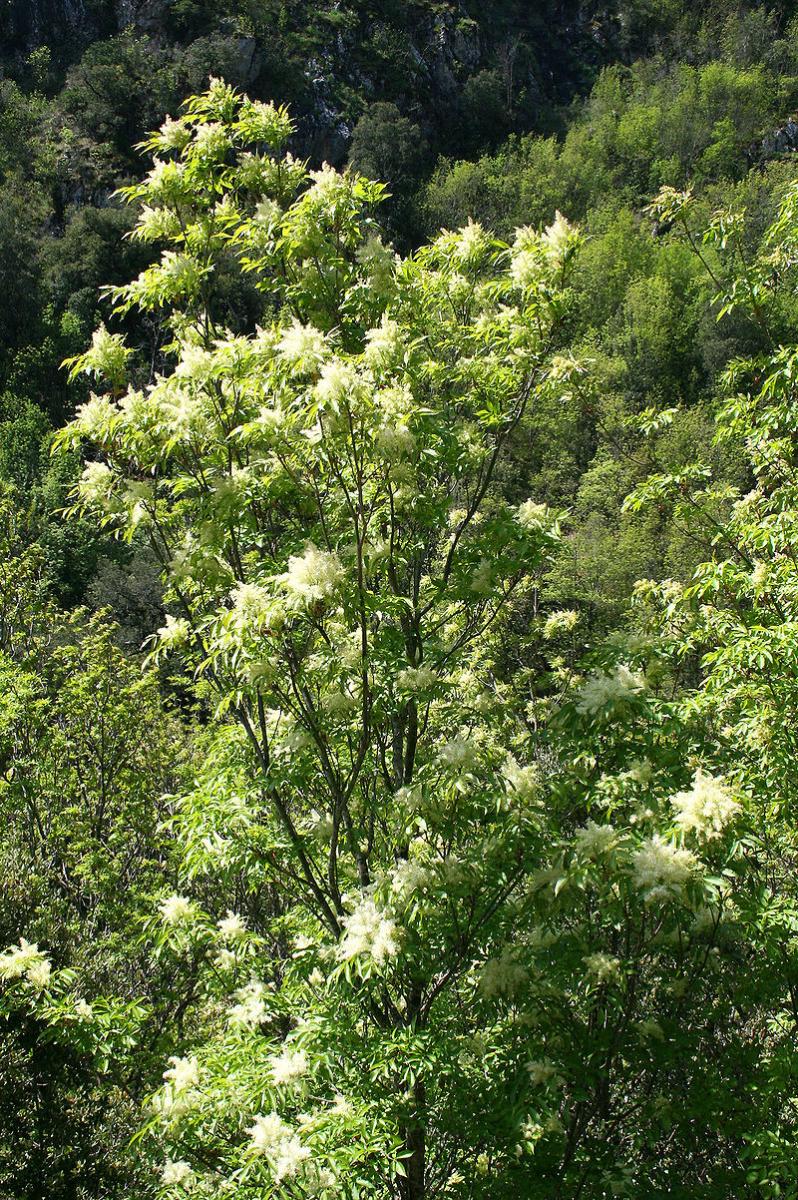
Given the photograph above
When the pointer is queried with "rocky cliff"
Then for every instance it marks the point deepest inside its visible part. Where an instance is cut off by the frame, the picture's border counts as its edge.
(68, 25)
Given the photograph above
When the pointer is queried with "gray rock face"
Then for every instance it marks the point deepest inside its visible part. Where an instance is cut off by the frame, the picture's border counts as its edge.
(26, 24)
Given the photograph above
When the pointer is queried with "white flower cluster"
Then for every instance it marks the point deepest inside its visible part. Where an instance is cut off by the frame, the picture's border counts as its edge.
(502, 976)
(458, 754)
(523, 783)
(95, 419)
(156, 224)
(383, 345)
(593, 840)
(211, 140)
(471, 245)
(409, 878)
(253, 606)
(526, 258)
(251, 1010)
(558, 237)
(313, 576)
(96, 484)
(302, 347)
(177, 1174)
(107, 356)
(177, 1094)
(534, 254)
(232, 928)
(416, 679)
(606, 691)
(533, 516)
(707, 808)
(394, 440)
(174, 134)
(288, 1067)
(177, 910)
(27, 962)
(369, 932)
(328, 186)
(541, 1072)
(338, 382)
(175, 632)
(379, 261)
(183, 1073)
(275, 1140)
(661, 869)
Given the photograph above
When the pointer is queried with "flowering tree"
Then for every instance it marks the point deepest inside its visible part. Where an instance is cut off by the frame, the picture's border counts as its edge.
(320, 494)
(443, 972)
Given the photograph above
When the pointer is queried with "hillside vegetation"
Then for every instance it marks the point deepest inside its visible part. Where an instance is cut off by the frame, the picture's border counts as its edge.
(398, 621)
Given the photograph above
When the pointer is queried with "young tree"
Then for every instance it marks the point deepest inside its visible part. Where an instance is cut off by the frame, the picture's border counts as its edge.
(450, 976)
(343, 578)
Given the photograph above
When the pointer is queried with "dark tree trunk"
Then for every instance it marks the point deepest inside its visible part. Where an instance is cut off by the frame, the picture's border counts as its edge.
(414, 1185)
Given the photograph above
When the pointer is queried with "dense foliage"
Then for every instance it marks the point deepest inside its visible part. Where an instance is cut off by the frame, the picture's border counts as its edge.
(397, 623)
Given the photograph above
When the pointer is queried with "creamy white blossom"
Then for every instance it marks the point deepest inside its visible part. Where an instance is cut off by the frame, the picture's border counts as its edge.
(175, 632)
(176, 910)
(290, 1158)
(661, 869)
(383, 344)
(96, 484)
(416, 679)
(182, 1074)
(288, 1066)
(328, 186)
(558, 237)
(95, 419)
(379, 262)
(211, 140)
(302, 347)
(338, 382)
(503, 975)
(707, 808)
(253, 605)
(601, 691)
(394, 440)
(174, 134)
(340, 1106)
(177, 1174)
(458, 754)
(232, 928)
(541, 1071)
(313, 576)
(26, 961)
(592, 840)
(271, 1136)
(156, 224)
(532, 515)
(471, 244)
(409, 878)
(369, 932)
(39, 974)
(251, 1010)
(267, 1132)
(523, 782)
